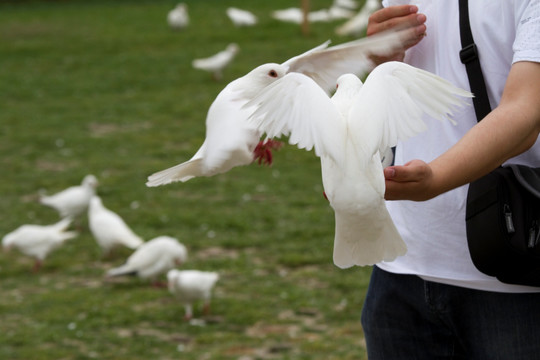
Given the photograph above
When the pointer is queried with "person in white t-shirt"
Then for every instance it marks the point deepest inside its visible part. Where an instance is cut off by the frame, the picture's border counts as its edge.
(432, 303)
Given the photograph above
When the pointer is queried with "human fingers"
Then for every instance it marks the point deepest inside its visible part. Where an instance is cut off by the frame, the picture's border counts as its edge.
(409, 182)
(404, 16)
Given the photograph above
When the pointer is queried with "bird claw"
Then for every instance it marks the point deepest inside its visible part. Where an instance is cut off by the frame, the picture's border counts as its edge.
(263, 151)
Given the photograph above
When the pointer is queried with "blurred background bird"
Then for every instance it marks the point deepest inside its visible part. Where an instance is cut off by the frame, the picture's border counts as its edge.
(153, 258)
(190, 286)
(241, 17)
(109, 229)
(38, 241)
(74, 200)
(356, 25)
(178, 18)
(215, 64)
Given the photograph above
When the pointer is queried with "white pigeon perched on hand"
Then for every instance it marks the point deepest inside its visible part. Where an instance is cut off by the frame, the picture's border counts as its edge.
(38, 241)
(215, 64)
(153, 258)
(348, 132)
(241, 17)
(232, 141)
(74, 200)
(178, 18)
(109, 229)
(190, 286)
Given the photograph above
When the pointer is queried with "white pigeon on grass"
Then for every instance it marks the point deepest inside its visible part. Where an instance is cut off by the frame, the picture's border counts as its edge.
(215, 64)
(233, 141)
(349, 132)
(38, 241)
(190, 286)
(241, 17)
(74, 200)
(109, 229)
(153, 258)
(292, 15)
(178, 18)
(347, 4)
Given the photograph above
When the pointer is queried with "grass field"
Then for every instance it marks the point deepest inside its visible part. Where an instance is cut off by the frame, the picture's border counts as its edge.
(105, 87)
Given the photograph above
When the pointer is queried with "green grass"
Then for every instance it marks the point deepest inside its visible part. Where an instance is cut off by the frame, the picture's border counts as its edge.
(105, 87)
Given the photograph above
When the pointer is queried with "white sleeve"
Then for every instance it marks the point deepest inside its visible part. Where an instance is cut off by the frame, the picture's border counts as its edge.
(527, 43)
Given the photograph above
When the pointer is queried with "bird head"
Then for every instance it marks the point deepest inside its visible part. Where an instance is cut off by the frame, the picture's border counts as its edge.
(171, 278)
(233, 48)
(348, 83)
(90, 181)
(179, 252)
(259, 78)
(95, 203)
(8, 242)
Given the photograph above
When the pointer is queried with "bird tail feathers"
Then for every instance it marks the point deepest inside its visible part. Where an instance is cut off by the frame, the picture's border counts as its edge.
(121, 271)
(132, 242)
(181, 172)
(366, 247)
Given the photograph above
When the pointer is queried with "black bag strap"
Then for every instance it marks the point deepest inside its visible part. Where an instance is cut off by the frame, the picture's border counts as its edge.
(469, 56)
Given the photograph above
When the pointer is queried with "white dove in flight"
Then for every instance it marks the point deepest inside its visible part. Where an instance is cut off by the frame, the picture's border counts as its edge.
(349, 132)
(153, 258)
(38, 241)
(108, 228)
(190, 286)
(233, 141)
(74, 200)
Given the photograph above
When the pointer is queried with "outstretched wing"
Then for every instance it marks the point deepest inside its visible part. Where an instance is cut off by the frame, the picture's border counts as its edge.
(326, 64)
(392, 102)
(297, 107)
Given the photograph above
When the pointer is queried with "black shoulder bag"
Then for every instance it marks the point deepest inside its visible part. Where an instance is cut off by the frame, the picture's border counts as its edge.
(503, 207)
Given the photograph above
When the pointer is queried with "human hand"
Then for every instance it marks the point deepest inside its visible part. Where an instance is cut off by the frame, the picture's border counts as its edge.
(412, 181)
(403, 16)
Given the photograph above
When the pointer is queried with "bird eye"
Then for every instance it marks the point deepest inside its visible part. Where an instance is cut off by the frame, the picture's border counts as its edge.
(272, 73)
(337, 85)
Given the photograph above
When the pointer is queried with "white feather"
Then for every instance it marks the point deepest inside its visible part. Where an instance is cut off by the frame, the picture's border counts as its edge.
(38, 241)
(190, 286)
(230, 139)
(152, 258)
(358, 23)
(216, 63)
(348, 131)
(178, 18)
(74, 200)
(108, 228)
(241, 17)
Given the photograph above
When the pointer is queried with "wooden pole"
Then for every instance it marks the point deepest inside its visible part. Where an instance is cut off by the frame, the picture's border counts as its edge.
(305, 20)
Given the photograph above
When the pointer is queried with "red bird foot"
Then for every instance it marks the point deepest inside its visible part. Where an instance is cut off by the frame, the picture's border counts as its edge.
(263, 151)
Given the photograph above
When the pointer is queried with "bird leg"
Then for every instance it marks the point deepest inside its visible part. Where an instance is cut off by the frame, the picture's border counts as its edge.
(263, 151)
(37, 266)
(206, 308)
(189, 312)
(159, 284)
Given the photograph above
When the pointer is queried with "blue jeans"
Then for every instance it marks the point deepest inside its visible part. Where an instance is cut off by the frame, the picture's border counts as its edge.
(406, 317)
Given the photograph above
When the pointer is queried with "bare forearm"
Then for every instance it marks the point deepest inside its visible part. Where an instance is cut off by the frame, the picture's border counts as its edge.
(507, 131)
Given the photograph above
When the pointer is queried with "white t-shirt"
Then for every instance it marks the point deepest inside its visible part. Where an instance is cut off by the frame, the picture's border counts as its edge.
(505, 32)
